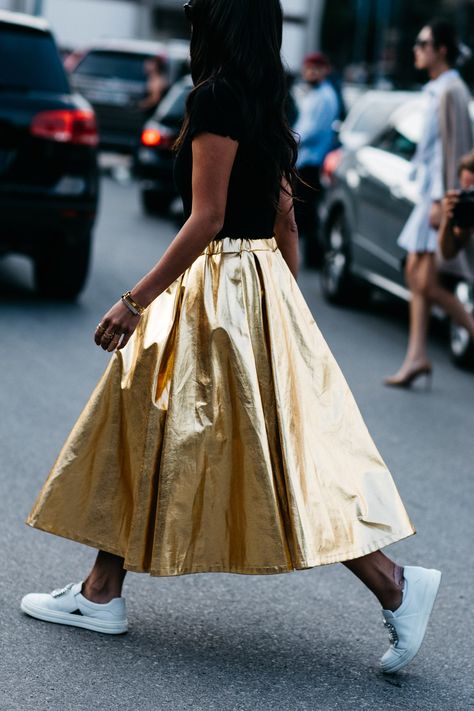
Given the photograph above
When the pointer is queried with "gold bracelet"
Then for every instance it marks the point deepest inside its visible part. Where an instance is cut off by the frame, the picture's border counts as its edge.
(131, 304)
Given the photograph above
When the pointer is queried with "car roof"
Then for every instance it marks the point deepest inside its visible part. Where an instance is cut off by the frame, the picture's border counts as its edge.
(145, 47)
(376, 96)
(360, 123)
(23, 20)
(386, 94)
(413, 106)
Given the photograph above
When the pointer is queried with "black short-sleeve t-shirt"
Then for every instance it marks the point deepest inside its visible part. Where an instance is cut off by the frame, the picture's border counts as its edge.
(250, 211)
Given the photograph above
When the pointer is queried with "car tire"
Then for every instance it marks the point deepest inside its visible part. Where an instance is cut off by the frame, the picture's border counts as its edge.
(62, 265)
(155, 202)
(337, 283)
(461, 346)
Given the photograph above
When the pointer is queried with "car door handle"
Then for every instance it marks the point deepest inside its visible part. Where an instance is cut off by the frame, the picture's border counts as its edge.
(396, 192)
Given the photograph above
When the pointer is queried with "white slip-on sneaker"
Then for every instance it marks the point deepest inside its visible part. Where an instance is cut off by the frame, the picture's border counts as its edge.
(407, 625)
(67, 606)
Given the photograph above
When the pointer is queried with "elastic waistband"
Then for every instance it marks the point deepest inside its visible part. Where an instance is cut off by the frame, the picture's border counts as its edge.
(240, 244)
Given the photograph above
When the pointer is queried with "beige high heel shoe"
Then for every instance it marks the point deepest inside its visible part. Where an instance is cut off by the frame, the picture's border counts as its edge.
(406, 381)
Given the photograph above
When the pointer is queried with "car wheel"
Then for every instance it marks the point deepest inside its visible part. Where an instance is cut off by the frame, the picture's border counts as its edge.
(155, 203)
(461, 344)
(336, 280)
(62, 265)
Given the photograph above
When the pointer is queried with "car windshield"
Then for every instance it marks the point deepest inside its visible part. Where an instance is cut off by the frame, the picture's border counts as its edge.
(29, 60)
(113, 65)
(172, 109)
(369, 117)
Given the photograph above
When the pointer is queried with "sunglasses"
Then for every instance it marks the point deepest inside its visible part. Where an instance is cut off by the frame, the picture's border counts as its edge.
(421, 43)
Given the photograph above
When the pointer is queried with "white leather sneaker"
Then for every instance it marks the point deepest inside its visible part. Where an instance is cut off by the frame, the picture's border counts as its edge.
(407, 625)
(67, 606)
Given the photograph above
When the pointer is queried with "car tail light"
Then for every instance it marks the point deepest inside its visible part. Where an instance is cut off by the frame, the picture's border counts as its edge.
(154, 137)
(331, 164)
(66, 126)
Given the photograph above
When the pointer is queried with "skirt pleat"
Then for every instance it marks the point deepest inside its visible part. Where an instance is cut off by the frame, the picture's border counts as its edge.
(223, 437)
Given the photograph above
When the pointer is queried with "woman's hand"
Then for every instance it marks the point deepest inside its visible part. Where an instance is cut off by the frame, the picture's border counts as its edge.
(450, 201)
(116, 327)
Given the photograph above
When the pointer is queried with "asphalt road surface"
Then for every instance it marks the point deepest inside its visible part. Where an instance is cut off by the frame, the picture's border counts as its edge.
(303, 641)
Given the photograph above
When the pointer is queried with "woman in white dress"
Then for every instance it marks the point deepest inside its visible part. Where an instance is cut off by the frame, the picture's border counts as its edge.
(447, 135)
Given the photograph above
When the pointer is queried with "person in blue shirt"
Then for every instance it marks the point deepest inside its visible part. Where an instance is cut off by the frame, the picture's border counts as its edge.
(319, 109)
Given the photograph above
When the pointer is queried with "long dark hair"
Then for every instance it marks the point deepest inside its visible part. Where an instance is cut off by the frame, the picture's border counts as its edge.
(239, 42)
(444, 35)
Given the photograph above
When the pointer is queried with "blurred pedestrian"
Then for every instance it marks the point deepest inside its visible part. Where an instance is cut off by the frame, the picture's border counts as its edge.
(446, 135)
(222, 436)
(320, 108)
(156, 84)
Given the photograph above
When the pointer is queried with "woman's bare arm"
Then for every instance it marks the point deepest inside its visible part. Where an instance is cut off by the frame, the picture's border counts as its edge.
(213, 158)
(286, 230)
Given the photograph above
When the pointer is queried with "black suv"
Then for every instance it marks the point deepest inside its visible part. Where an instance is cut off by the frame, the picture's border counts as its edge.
(48, 159)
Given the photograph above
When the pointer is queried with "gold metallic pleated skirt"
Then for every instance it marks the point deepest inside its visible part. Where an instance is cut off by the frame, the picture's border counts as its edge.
(223, 437)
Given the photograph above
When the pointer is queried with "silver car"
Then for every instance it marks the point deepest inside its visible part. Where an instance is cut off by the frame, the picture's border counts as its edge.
(370, 194)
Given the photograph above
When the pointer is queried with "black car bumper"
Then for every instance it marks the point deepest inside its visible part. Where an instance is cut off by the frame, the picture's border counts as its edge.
(28, 220)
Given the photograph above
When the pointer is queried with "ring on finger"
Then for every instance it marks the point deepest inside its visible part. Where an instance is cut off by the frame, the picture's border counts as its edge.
(100, 328)
(115, 339)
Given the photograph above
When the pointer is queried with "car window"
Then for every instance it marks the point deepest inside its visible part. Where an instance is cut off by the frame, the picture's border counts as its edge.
(373, 115)
(177, 68)
(395, 142)
(29, 60)
(113, 65)
(172, 109)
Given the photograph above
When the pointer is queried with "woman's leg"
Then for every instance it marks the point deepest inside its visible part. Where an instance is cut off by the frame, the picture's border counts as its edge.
(436, 293)
(105, 580)
(382, 576)
(420, 307)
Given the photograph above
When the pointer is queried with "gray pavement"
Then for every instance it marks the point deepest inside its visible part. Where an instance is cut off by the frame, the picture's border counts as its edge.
(304, 641)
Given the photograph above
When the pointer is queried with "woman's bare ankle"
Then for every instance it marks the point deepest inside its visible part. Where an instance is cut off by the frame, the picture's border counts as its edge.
(100, 593)
(105, 580)
(392, 598)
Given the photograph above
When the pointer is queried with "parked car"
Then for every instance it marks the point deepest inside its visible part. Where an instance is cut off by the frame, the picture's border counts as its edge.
(371, 195)
(154, 158)
(48, 159)
(368, 113)
(111, 75)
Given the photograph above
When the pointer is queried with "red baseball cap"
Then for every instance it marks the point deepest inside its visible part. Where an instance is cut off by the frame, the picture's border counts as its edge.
(317, 59)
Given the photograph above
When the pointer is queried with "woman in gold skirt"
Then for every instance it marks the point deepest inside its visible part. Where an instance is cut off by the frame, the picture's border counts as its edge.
(222, 436)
